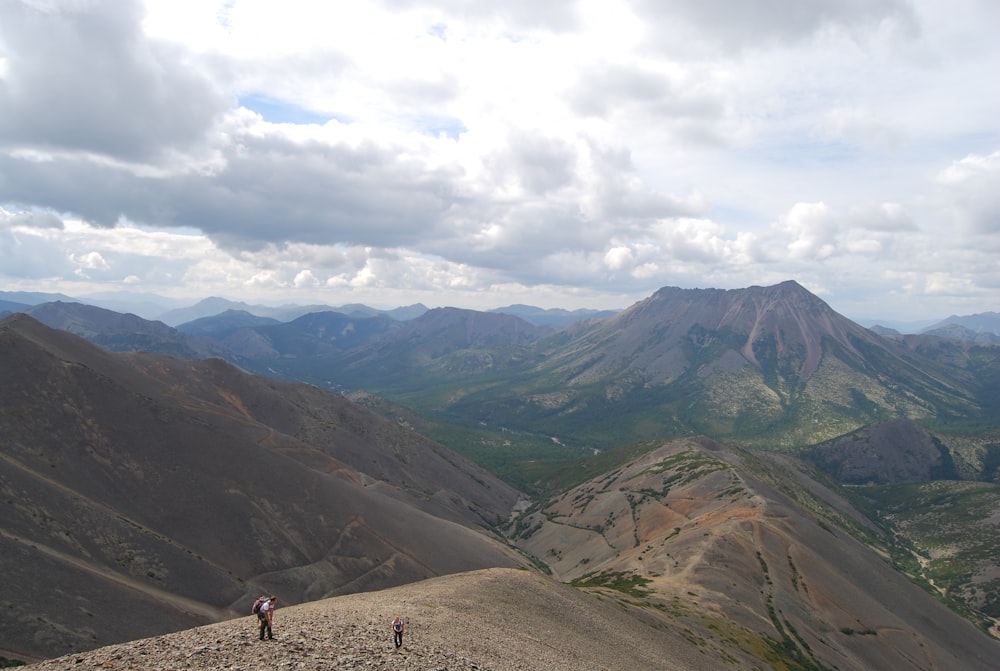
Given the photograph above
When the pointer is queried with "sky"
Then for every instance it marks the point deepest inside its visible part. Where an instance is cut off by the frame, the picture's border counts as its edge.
(483, 154)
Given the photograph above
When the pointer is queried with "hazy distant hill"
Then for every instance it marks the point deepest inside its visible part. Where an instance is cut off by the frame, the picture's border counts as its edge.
(448, 342)
(553, 317)
(220, 325)
(8, 307)
(960, 332)
(897, 325)
(210, 307)
(311, 337)
(34, 297)
(402, 314)
(119, 332)
(974, 365)
(979, 324)
(147, 494)
(261, 344)
(878, 329)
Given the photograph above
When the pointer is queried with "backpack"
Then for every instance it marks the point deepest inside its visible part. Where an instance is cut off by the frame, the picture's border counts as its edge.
(257, 604)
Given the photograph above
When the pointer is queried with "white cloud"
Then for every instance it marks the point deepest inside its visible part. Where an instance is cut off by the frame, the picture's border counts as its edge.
(763, 23)
(305, 279)
(89, 261)
(970, 198)
(811, 230)
(885, 217)
(618, 258)
(99, 86)
(861, 126)
(466, 153)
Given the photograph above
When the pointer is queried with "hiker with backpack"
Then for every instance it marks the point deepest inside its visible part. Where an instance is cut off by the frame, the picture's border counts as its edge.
(264, 608)
(397, 631)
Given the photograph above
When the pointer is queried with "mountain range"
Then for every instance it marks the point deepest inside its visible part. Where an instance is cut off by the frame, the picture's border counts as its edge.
(763, 364)
(747, 467)
(175, 312)
(158, 308)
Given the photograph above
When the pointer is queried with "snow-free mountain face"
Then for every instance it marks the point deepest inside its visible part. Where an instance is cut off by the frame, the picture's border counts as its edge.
(146, 494)
(769, 365)
(780, 328)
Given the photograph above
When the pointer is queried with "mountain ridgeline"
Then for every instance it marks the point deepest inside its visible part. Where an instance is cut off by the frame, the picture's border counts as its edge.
(770, 366)
(773, 367)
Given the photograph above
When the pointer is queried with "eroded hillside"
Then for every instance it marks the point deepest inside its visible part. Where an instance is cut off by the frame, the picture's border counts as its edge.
(700, 533)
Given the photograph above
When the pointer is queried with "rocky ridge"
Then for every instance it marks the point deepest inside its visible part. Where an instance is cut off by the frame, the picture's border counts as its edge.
(489, 620)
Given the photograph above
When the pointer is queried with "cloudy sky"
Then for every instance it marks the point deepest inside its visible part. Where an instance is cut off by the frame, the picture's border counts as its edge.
(480, 154)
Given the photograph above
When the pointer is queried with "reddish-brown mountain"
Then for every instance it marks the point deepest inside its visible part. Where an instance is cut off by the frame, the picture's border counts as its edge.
(753, 558)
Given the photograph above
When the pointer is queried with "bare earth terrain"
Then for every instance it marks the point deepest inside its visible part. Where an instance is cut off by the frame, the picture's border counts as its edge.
(491, 620)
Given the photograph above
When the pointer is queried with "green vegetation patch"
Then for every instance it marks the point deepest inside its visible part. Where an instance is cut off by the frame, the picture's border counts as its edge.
(722, 638)
(691, 463)
(949, 525)
(628, 583)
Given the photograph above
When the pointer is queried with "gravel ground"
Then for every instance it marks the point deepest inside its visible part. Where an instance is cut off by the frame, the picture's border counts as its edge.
(492, 620)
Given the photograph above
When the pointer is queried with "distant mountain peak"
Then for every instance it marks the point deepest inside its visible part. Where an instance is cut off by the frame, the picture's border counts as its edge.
(783, 324)
(982, 327)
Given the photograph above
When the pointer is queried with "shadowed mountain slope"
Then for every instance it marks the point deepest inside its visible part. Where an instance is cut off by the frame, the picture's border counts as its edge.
(444, 341)
(119, 332)
(892, 452)
(224, 323)
(144, 494)
(755, 557)
(553, 317)
(317, 335)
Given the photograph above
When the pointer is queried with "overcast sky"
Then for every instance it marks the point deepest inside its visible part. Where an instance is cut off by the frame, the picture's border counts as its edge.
(480, 154)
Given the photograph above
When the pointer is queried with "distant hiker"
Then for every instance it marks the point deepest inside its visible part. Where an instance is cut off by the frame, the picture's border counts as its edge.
(397, 631)
(266, 616)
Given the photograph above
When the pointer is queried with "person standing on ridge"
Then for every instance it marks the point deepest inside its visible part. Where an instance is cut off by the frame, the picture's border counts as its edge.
(397, 631)
(266, 617)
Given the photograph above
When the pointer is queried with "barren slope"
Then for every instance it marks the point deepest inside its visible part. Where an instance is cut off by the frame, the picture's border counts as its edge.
(700, 532)
(492, 620)
(142, 494)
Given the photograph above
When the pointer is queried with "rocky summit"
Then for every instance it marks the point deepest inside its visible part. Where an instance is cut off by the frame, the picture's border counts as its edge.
(490, 620)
